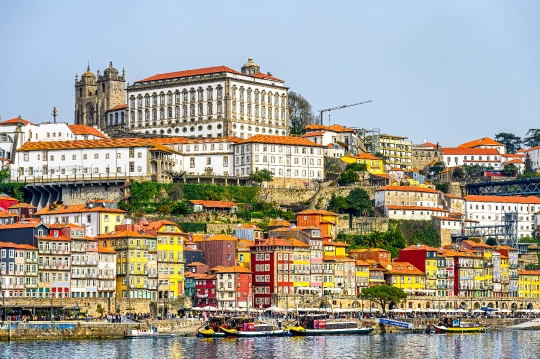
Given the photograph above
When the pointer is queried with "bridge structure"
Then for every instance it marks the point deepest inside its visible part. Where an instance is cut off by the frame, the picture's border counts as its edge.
(530, 186)
(506, 233)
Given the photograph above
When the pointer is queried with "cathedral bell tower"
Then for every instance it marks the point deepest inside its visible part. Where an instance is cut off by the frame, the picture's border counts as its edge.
(94, 96)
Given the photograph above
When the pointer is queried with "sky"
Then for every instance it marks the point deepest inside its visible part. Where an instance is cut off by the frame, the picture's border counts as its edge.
(448, 72)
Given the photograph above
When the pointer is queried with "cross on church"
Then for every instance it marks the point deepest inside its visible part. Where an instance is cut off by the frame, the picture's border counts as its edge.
(54, 114)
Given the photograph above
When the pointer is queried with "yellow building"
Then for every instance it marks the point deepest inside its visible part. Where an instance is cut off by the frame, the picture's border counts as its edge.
(329, 274)
(170, 257)
(362, 275)
(374, 165)
(134, 278)
(529, 283)
(243, 257)
(405, 276)
(301, 264)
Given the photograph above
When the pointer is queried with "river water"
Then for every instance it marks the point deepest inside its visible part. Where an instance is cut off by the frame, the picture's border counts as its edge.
(495, 344)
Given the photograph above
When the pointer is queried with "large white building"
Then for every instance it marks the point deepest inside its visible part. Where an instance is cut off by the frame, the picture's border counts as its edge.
(347, 138)
(490, 210)
(294, 161)
(472, 156)
(209, 102)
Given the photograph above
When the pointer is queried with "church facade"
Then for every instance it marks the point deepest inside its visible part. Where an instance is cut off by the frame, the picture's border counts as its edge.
(209, 102)
(96, 95)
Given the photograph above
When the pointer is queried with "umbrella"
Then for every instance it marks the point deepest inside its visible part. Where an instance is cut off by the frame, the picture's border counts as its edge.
(274, 309)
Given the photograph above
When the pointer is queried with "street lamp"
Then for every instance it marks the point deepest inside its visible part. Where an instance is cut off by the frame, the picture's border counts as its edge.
(222, 292)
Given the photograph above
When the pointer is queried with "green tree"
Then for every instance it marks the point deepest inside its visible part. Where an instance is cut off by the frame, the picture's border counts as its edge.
(337, 204)
(348, 176)
(491, 241)
(100, 310)
(459, 173)
(511, 141)
(436, 168)
(383, 295)
(358, 167)
(358, 202)
(533, 137)
(474, 171)
(528, 166)
(510, 170)
(300, 113)
(261, 176)
(443, 187)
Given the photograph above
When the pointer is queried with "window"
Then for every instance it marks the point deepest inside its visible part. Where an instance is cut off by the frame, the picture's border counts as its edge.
(131, 166)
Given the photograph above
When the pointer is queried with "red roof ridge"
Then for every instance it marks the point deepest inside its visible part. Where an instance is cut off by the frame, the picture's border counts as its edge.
(188, 73)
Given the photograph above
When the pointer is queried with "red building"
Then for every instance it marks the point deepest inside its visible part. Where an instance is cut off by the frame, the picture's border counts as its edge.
(377, 255)
(7, 201)
(205, 290)
(219, 250)
(417, 255)
(234, 287)
(325, 220)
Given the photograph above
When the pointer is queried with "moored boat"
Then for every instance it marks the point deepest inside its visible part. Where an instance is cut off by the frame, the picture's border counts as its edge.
(143, 333)
(313, 325)
(252, 330)
(457, 326)
(210, 333)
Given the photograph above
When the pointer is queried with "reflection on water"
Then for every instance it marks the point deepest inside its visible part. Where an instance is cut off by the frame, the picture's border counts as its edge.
(497, 344)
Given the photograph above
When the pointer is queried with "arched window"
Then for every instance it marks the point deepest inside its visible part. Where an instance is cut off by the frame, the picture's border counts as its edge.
(210, 108)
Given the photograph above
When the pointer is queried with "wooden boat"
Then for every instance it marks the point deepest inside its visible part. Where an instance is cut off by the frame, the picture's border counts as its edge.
(330, 328)
(457, 326)
(210, 333)
(251, 330)
(212, 328)
(143, 333)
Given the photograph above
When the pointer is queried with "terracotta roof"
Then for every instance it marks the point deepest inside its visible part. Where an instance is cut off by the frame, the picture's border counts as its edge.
(103, 143)
(366, 156)
(16, 246)
(188, 73)
(281, 242)
(528, 272)
(279, 222)
(333, 128)
(397, 169)
(513, 155)
(53, 238)
(322, 212)
(260, 75)
(407, 189)
(475, 244)
(214, 204)
(124, 234)
(76, 208)
(342, 244)
(14, 121)
(281, 140)
(514, 161)
(313, 134)
(106, 250)
(195, 264)
(20, 225)
(360, 262)
(6, 214)
(158, 224)
(415, 208)
(119, 107)
(485, 141)
(22, 205)
(86, 130)
(402, 268)
(415, 247)
(184, 140)
(426, 144)
(452, 196)
(504, 199)
(469, 151)
(248, 226)
(235, 269)
(221, 237)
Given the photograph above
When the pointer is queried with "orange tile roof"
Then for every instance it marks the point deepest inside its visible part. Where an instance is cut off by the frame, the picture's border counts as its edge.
(322, 212)
(403, 268)
(86, 130)
(266, 77)
(504, 199)
(188, 73)
(514, 161)
(119, 107)
(476, 244)
(313, 134)
(407, 189)
(106, 250)
(415, 247)
(195, 264)
(76, 208)
(14, 121)
(214, 204)
(281, 140)
(360, 262)
(415, 208)
(102, 143)
(53, 238)
(484, 141)
(513, 155)
(342, 244)
(397, 169)
(279, 222)
(124, 234)
(366, 156)
(235, 269)
(22, 205)
(469, 151)
(452, 196)
(281, 242)
(20, 225)
(221, 237)
(156, 225)
(6, 214)
(528, 272)
(426, 144)
(16, 246)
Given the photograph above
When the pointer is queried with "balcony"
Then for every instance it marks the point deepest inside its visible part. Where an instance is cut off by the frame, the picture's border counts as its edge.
(442, 275)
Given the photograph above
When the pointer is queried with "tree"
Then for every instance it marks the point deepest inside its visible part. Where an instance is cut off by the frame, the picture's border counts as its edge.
(337, 204)
(511, 141)
(459, 173)
(436, 168)
(528, 166)
(100, 310)
(510, 170)
(300, 113)
(443, 187)
(358, 202)
(383, 295)
(491, 241)
(533, 137)
(348, 177)
(357, 167)
(261, 176)
(474, 170)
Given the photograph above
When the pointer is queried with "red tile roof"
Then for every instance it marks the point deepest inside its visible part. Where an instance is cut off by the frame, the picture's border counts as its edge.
(313, 134)
(416, 247)
(235, 269)
(403, 268)
(14, 121)
(214, 204)
(86, 130)
(333, 128)
(124, 234)
(76, 208)
(407, 189)
(119, 107)
(279, 222)
(485, 141)
(514, 161)
(504, 199)
(106, 250)
(426, 144)
(281, 242)
(322, 212)
(513, 155)
(260, 75)
(102, 143)
(367, 156)
(16, 246)
(188, 73)
(469, 151)
(281, 140)
(221, 237)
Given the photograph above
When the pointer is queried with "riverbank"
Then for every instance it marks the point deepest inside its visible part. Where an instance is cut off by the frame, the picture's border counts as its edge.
(70, 330)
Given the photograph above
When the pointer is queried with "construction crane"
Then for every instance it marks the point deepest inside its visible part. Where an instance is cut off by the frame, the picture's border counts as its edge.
(339, 108)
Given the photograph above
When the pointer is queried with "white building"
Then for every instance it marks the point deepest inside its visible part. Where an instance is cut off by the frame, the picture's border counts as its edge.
(490, 210)
(416, 213)
(407, 196)
(485, 142)
(534, 154)
(472, 156)
(209, 102)
(294, 161)
(347, 138)
(87, 159)
(106, 272)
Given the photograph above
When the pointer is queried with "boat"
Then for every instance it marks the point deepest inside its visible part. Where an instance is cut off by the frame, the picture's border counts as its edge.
(212, 328)
(318, 324)
(210, 333)
(251, 330)
(457, 326)
(144, 333)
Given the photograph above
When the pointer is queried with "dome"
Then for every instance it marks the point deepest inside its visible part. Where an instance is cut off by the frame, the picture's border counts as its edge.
(110, 71)
(250, 63)
(88, 73)
(250, 68)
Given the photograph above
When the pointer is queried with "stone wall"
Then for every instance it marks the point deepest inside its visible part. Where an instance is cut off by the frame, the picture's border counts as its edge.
(81, 194)
(286, 197)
